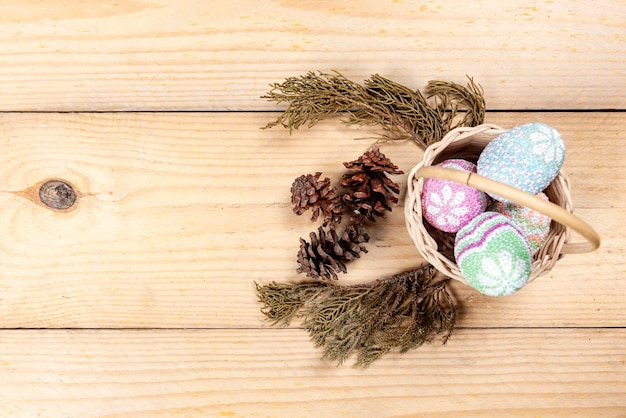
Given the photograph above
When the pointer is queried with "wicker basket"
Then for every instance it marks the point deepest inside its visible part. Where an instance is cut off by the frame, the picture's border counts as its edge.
(437, 247)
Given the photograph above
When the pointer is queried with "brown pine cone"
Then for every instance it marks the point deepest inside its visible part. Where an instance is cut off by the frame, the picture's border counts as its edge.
(371, 191)
(373, 160)
(325, 255)
(309, 192)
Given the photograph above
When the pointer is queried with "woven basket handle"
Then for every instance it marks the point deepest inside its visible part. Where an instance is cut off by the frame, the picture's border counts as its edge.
(523, 198)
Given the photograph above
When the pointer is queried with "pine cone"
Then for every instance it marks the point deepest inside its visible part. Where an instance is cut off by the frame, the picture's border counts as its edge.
(371, 190)
(308, 191)
(326, 254)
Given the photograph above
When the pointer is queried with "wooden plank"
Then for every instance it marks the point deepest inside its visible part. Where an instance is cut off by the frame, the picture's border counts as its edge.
(172, 55)
(180, 213)
(254, 373)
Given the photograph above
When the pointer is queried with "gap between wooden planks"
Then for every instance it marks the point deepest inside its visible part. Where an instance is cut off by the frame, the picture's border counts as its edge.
(277, 373)
(181, 212)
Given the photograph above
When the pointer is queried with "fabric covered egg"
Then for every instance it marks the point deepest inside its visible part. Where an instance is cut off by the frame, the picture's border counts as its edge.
(493, 256)
(448, 205)
(534, 225)
(527, 157)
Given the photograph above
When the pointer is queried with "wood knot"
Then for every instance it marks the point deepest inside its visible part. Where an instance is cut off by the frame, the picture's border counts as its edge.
(57, 194)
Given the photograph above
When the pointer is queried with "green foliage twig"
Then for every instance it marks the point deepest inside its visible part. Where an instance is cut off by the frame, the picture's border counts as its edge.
(402, 112)
(401, 312)
(453, 97)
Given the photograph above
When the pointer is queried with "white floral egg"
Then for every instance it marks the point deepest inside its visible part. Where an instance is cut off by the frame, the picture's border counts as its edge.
(448, 205)
(534, 225)
(527, 157)
(493, 256)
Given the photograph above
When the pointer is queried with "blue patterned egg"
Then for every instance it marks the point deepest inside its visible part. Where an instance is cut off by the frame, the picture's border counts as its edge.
(527, 157)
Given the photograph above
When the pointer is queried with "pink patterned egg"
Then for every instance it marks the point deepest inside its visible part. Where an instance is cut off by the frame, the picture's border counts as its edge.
(448, 205)
(534, 225)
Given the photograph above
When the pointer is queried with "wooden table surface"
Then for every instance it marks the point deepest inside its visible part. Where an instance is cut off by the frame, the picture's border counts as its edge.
(140, 300)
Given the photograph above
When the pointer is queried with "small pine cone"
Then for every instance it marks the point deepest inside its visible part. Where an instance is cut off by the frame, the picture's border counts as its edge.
(325, 255)
(349, 244)
(309, 192)
(371, 191)
(374, 161)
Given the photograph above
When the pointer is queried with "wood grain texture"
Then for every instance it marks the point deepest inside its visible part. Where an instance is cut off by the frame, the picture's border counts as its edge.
(179, 213)
(191, 55)
(138, 300)
(276, 373)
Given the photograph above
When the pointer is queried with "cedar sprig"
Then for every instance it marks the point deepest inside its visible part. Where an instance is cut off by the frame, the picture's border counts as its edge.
(401, 313)
(452, 98)
(401, 112)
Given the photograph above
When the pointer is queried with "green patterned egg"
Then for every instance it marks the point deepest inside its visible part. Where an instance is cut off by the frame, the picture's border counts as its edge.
(493, 256)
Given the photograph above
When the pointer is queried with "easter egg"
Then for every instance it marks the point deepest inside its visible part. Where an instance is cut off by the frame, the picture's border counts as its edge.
(534, 225)
(448, 205)
(493, 256)
(527, 157)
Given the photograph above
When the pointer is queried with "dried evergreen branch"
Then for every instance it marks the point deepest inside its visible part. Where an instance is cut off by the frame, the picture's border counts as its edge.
(453, 97)
(399, 110)
(402, 112)
(401, 312)
(313, 97)
(283, 301)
